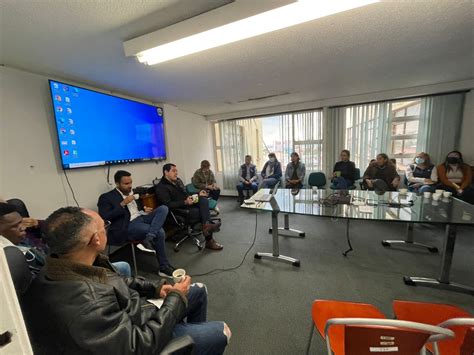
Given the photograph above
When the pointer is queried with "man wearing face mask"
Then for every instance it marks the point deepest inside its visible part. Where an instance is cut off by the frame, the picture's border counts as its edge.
(271, 172)
(456, 176)
(421, 175)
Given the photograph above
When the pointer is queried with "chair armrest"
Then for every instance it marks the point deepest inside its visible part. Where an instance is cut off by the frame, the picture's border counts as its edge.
(182, 345)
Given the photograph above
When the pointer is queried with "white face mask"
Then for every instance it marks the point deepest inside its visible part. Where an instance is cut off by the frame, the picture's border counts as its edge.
(272, 160)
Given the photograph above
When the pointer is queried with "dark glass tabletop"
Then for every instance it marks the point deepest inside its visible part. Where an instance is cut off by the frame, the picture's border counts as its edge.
(367, 205)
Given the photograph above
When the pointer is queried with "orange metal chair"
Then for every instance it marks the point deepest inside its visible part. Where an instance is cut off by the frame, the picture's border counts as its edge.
(323, 310)
(361, 329)
(442, 315)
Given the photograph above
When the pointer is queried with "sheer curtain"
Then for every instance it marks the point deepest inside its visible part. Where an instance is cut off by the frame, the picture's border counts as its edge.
(440, 125)
(366, 132)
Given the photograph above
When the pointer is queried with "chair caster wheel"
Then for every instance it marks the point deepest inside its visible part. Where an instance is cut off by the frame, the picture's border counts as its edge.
(302, 235)
(296, 263)
(270, 230)
(176, 249)
(433, 250)
(256, 256)
(200, 247)
(408, 281)
(385, 244)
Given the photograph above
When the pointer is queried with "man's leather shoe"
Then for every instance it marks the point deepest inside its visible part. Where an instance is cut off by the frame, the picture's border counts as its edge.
(209, 228)
(213, 245)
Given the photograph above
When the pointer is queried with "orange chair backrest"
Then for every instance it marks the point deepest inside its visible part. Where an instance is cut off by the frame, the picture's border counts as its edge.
(467, 347)
(371, 340)
(323, 310)
(434, 314)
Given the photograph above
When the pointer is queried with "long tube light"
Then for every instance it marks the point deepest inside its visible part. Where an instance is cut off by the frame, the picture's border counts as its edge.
(265, 22)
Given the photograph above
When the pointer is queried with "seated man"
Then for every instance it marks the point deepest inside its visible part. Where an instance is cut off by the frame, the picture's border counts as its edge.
(247, 177)
(271, 172)
(295, 172)
(204, 179)
(130, 220)
(13, 233)
(381, 175)
(79, 305)
(172, 193)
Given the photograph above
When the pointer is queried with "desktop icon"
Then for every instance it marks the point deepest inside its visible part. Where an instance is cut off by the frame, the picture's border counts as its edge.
(63, 142)
(57, 98)
(74, 152)
(72, 132)
(66, 152)
(61, 119)
(59, 109)
(67, 99)
(71, 121)
(65, 88)
(55, 85)
(69, 110)
(62, 130)
(73, 142)
(75, 89)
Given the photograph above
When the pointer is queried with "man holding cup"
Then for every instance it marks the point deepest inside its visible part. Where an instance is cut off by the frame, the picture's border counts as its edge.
(131, 220)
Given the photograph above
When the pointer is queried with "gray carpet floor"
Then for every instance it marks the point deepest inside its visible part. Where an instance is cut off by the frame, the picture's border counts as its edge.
(267, 304)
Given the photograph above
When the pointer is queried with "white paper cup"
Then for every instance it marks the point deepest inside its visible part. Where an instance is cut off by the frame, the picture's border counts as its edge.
(315, 189)
(426, 194)
(136, 196)
(439, 191)
(403, 191)
(447, 194)
(437, 196)
(179, 275)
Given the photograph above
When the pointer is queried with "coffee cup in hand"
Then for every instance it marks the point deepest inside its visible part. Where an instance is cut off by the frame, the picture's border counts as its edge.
(179, 275)
(136, 196)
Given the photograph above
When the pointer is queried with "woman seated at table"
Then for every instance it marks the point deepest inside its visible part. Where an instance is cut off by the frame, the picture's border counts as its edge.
(421, 175)
(381, 175)
(455, 176)
(344, 172)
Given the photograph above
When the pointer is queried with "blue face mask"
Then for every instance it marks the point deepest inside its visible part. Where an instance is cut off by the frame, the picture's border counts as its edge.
(419, 160)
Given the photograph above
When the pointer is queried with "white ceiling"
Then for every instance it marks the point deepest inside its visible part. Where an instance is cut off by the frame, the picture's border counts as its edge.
(389, 45)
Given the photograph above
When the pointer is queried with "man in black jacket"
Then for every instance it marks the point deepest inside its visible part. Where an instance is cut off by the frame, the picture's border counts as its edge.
(79, 305)
(172, 193)
(131, 220)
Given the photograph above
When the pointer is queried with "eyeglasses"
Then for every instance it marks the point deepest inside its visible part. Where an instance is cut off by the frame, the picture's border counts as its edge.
(107, 224)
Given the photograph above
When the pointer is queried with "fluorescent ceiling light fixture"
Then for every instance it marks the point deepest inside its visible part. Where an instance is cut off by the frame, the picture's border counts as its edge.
(265, 22)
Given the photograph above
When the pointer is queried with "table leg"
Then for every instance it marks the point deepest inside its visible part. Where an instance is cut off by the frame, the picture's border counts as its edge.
(275, 255)
(409, 241)
(286, 231)
(443, 281)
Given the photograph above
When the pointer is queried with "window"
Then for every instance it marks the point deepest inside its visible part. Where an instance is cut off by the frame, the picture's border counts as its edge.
(405, 119)
(281, 134)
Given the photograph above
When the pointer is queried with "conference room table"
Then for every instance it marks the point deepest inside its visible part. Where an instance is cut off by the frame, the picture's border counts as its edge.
(367, 205)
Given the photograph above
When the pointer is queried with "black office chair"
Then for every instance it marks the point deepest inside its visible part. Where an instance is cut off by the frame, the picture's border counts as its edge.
(19, 270)
(180, 219)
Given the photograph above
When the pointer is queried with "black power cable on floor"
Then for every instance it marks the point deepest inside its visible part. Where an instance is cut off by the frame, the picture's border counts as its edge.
(70, 187)
(219, 270)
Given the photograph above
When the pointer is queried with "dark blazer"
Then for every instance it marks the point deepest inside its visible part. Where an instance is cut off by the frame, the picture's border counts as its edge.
(171, 195)
(110, 209)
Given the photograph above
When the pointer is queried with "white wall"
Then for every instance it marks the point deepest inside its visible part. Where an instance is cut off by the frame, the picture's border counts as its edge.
(29, 158)
(466, 145)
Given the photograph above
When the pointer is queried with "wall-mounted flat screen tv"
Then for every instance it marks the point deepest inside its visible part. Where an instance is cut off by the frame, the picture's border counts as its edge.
(96, 129)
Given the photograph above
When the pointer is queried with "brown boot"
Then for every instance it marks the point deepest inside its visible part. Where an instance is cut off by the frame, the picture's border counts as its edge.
(213, 245)
(209, 228)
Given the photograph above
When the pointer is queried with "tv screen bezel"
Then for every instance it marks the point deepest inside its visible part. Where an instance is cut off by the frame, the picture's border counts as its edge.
(106, 163)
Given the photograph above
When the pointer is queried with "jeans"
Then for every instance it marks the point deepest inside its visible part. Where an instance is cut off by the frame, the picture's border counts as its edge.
(200, 213)
(149, 227)
(122, 268)
(422, 188)
(269, 182)
(241, 187)
(208, 337)
(341, 183)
